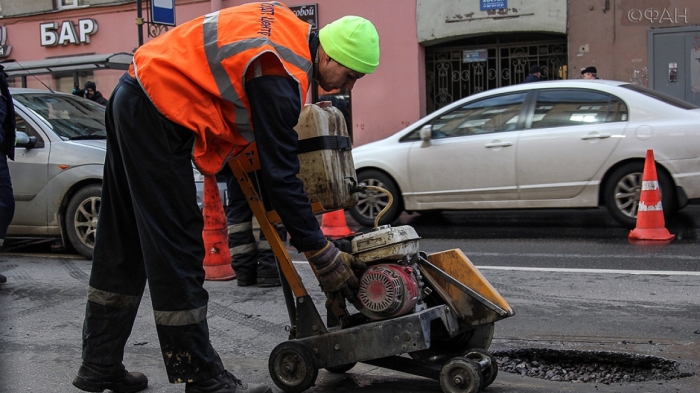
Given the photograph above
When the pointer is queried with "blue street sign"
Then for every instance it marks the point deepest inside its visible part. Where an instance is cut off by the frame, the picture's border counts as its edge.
(493, 4)
(163, 12)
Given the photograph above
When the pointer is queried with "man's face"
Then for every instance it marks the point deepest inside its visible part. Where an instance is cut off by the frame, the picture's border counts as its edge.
(89, 92)
(588, 75)
(332, 75)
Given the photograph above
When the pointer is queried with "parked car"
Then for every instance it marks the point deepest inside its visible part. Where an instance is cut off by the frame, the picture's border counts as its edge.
(554, 144)
(57, 171)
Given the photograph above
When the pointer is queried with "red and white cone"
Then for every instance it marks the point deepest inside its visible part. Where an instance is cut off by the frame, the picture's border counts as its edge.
(334, 225)
(217, 257)
(650, 227)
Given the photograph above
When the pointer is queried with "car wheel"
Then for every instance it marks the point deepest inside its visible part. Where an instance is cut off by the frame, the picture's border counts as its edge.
(623, 188)
(81, 219)
(371, 202)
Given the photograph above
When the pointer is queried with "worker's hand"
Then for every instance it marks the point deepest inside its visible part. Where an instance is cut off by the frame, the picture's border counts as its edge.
(335, 270)
(343, 245)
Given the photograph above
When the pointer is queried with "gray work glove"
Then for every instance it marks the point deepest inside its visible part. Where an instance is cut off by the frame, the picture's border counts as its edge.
(343, 245)
(335, 273)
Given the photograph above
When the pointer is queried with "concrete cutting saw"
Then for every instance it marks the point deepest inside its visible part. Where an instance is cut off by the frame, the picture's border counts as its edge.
(424, 314)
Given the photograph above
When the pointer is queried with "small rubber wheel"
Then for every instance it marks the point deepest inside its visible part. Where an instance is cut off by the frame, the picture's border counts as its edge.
(460, 375)
(443, 349)
(293, 367)
(487, 362)
(342, 369)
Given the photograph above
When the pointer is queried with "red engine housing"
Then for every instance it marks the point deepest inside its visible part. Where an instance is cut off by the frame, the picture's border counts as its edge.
(388, 290)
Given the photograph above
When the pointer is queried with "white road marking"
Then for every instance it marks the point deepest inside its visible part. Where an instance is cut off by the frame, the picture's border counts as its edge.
(565, 270)
(617, 256)
(590, 271)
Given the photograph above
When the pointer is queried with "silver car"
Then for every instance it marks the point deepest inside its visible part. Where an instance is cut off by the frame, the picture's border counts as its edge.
(555, 144)
(57, 171)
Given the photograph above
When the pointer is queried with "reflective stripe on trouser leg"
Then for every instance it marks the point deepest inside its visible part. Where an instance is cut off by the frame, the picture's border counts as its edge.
(165, 227)
(244, 253)
(241, 241)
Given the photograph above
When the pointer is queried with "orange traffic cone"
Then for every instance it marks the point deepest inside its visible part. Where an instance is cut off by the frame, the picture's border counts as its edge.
(651, 227)
(333, 224)
(217, 257)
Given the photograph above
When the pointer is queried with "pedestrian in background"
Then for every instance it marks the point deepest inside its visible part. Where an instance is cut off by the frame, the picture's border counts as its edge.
(589, 73)
(203, 92)
(535, 75)
(92, 94)
(7, 151)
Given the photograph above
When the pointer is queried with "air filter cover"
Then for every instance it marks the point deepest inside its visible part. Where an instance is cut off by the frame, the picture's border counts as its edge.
(386, 242)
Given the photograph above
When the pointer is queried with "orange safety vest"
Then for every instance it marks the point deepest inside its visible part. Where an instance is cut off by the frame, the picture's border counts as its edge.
(195, 73)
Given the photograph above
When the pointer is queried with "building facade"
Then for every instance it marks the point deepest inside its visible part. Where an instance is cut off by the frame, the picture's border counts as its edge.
(655, 43)
(433, 52)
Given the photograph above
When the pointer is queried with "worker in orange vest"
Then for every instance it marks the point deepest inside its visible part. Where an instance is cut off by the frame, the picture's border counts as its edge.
(201, 92)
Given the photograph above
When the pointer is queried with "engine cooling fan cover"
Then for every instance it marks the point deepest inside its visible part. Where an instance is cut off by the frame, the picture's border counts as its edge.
(388, 290)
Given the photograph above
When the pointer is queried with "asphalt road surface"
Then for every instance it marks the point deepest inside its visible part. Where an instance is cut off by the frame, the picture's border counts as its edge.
(572, 286)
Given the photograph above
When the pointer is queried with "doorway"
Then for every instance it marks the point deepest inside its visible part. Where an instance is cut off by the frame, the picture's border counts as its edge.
(674, 59)
(458, 69)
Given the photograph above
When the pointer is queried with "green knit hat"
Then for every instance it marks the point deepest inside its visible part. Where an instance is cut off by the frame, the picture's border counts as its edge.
(353, 42)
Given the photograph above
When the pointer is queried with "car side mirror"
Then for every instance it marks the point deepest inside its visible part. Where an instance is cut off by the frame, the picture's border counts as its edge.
(426, 133)
(24, 140)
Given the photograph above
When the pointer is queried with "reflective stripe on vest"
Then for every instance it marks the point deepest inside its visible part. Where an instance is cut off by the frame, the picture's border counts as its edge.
(226, 90)
(198, 80)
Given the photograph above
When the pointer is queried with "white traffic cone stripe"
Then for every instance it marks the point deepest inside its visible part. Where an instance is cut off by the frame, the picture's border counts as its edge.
(644, 208)
(650, 185)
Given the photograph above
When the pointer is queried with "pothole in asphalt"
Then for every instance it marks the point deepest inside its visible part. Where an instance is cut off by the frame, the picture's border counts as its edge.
(587, 366)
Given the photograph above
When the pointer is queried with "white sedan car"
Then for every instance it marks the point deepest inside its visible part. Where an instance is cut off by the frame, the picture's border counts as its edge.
(555, 144)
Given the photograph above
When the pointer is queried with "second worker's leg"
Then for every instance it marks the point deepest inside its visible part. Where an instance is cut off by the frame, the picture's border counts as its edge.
(241, 241)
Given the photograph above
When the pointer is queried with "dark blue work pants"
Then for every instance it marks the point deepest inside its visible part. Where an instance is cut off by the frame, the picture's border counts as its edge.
(250, 259)
(149, 230)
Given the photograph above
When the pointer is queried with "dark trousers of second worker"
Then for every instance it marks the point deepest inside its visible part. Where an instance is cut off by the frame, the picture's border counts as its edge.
(251, 260)
(149, 230)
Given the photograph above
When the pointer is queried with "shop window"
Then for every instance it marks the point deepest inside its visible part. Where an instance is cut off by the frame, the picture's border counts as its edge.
(63, 4)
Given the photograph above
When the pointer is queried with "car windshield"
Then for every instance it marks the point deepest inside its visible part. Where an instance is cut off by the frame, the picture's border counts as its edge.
(70, 117)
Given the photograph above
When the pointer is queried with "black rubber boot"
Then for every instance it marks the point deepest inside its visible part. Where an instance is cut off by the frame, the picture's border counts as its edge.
(245, 282)
(269, 282)
(98, 378)
(225, 383)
